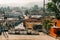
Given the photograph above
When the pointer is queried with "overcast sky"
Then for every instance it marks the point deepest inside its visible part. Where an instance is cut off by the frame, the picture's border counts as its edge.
(20, 2)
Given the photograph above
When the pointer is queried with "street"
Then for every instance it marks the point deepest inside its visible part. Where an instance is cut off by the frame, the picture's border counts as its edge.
(41, 36)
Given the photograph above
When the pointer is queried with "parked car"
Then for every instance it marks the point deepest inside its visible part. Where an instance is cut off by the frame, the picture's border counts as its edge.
(29, 31)
(32, 32)
(11, 32)
(23, 31)
(37, 28)
(17, 31)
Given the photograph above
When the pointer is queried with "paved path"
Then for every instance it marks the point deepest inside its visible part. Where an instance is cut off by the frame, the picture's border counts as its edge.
(42, 36)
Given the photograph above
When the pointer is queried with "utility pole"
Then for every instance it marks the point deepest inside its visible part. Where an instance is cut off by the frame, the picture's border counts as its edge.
(44, 6)
(44, 14)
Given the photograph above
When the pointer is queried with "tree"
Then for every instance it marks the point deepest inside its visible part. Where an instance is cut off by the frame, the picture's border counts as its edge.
(55, 1)
(26, 12)
(47, 25)
(35, 8)
(52, 7)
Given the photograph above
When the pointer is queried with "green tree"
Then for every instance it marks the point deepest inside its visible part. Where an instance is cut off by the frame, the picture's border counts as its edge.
(35, 8)
(52, 7)
(47, 25)
(26, 12)
(55, 1)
